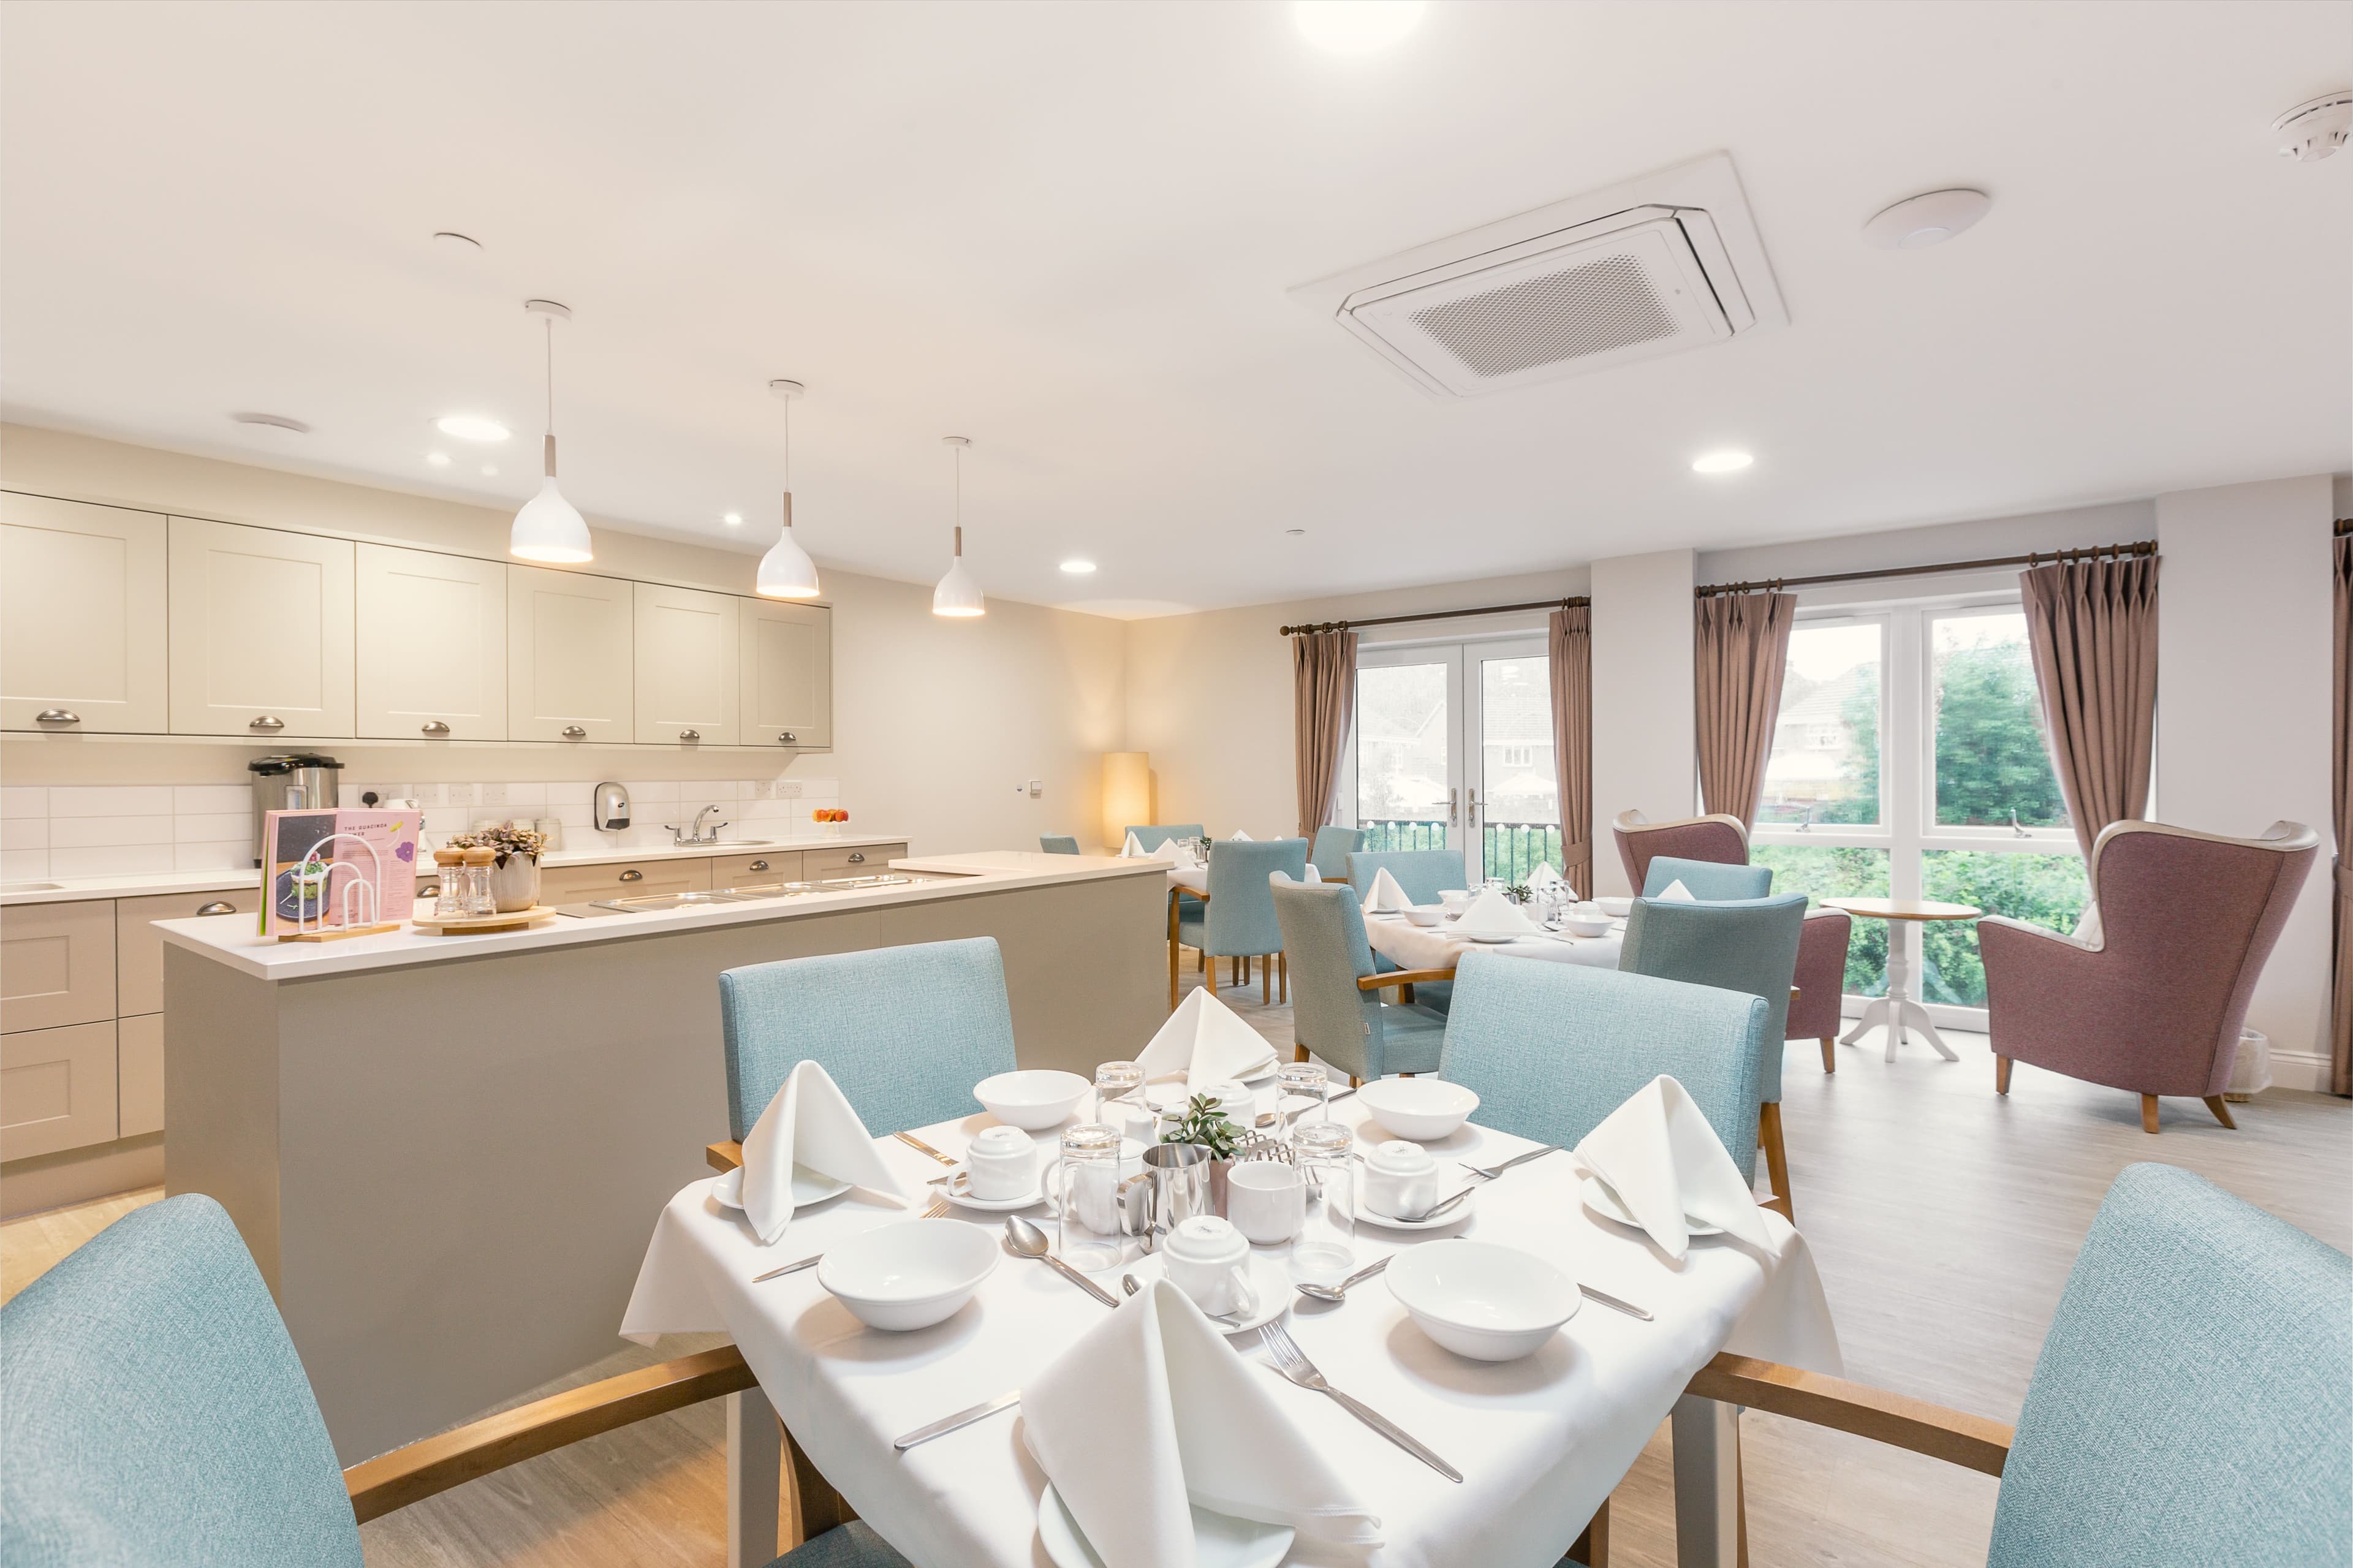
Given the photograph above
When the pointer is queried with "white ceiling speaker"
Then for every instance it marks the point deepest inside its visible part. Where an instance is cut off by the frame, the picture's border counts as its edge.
(1668, 262)
(1932, 218)
(785, 570)
(550, 528)
(958, 594)
(2313, 130)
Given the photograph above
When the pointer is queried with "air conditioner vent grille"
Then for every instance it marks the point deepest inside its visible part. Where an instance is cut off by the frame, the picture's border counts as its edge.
(1588, 309)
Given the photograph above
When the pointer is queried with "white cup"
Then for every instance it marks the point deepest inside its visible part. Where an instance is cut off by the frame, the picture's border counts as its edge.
(1209, 1261)
(1400, 1180)
(1266, 1201)
(1001, 1163)
(1237, 1101)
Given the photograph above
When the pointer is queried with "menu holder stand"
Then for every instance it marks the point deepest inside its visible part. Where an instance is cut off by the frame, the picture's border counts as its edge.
(361, 899)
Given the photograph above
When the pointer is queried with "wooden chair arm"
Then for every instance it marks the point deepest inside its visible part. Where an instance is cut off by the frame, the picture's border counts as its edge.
(1403, 978)
(1970, 1441)
(723, 1157)
(431, 1465)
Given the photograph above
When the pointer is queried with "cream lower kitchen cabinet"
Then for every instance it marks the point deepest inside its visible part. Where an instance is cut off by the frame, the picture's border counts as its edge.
(432, 631)
(261, 632)
(57, 1089)
(57, 965)
(583, 884)
(689, 665)
(788, 674)
(139, 1075)
(81, 617)
(571, 656)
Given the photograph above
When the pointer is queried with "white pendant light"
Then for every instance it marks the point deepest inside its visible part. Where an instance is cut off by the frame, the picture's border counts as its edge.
(958, 594)
(785, 570)
(550, 528)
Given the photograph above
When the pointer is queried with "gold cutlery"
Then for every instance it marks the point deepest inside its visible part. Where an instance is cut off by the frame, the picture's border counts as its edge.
(912, 1141)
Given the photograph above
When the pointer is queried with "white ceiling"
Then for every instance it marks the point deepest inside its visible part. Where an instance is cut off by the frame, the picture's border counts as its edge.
(1067, 231)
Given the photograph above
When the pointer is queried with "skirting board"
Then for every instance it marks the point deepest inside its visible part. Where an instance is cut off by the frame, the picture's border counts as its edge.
(78, 1175)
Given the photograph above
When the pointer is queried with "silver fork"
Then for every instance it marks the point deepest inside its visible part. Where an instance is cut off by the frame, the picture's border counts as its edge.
(1292, 1363)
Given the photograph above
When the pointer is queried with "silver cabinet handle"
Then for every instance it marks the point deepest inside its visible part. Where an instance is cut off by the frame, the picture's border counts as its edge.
(574, 732)
(633, 875)
(788, 737)
(267, 722)
(690, 734)
(217, 907)
(436, 727)
(56, 716)
(428, 889)
(858, 857)
(757, 865)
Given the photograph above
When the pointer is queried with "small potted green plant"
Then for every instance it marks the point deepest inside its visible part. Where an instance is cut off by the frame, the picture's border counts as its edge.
(1517, 892)
(1204, 1121)
(514, 875)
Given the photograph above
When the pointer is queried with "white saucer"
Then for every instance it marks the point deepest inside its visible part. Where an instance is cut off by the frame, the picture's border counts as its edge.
(1222, 1543)
(1603, 1201)
(1270, 1276)
(809, 1187)
(947, 1190)
(1454, 1215)
(1496, 941)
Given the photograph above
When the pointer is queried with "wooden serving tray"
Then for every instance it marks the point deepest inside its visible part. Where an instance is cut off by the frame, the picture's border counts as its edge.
(338, 933)
(513, 920)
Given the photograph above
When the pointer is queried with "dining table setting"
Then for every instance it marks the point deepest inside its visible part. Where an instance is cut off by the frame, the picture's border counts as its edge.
(1371, 1331)
(1558, 930)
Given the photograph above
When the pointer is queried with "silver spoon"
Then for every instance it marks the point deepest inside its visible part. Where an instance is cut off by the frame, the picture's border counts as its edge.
(1340, 1292)
(1127, 1283)
(1026, 1240)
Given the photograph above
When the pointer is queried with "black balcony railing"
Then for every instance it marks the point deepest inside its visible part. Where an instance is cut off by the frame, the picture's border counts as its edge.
(1507, 849)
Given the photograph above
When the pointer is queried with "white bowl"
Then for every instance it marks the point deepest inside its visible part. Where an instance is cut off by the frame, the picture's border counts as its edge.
(1481, 1300)
(1035, 1098)
(1425, 914)
(1576, 927)
(910, 1275)
(1419, 1109)
(1616, 908)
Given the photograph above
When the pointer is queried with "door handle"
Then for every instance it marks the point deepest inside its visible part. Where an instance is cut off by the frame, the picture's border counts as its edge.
(574, 732)
(633, 875)
(788, 737)
(62, 716)
(217, 907)
(436, 727)
(858, 857)
(267, 722)
(757, 865)
(690, 734)
(1453, 815)
(1472, 796)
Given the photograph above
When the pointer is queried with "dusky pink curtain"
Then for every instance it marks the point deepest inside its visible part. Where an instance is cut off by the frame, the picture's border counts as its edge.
(2092, 625)
(2340, 1010)
(1740, 651)
(1324, 692)
(1570, 647)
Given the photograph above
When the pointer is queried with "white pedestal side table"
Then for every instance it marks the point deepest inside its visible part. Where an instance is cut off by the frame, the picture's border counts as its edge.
(1899, 1009)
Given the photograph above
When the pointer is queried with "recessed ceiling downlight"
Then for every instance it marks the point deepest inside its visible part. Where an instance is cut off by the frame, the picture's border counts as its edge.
(274, 421)
(471, 427)
(1077, 568)
(1724, 462)
(1919, 222)
(1355, 26)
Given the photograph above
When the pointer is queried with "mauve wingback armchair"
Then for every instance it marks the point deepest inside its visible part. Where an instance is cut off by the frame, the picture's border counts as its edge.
(2154, 1004)
(1719, 837)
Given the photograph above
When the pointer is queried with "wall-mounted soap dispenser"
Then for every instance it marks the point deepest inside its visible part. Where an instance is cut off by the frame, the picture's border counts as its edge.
(611, 809)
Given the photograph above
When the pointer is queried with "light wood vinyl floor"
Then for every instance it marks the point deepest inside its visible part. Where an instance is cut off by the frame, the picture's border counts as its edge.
(1945, 1219)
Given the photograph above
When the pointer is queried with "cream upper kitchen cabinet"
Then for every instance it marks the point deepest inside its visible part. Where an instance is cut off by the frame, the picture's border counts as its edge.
(570, 663)
(262, 635)
(688, 665)
(788, 673)
(432, 645)
(81, 617)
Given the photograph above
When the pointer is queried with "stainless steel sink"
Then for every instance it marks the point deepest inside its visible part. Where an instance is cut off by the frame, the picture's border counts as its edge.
(648, 903)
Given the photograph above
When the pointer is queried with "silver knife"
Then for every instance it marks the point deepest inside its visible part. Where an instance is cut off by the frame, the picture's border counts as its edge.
(809, 1262)
(1606, 1299)
(961, 1419)
(912, 1141)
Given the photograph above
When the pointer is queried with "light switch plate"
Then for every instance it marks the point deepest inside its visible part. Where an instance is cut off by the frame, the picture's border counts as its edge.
(1037, 788)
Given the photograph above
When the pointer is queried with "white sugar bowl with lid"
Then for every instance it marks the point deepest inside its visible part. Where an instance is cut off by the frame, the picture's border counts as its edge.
(1001, 1163)
(1208, 1259)
(1400, 1180)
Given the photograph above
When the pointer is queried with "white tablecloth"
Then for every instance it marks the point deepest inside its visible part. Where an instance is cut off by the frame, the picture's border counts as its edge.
(1541, 1441)
(1192, 878)
(1409, 946)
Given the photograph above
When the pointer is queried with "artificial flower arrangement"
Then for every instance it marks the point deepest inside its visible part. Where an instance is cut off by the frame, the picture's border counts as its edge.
(828, 814)
(524, 841)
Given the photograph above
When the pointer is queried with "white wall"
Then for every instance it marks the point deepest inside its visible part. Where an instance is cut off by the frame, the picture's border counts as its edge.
(935, 721)
(1645, 717)
(2244, 634)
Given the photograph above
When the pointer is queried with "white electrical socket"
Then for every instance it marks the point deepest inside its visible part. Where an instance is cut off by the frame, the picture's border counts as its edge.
(762, 789)
(788, 789)
(458, 793)
(494, 794)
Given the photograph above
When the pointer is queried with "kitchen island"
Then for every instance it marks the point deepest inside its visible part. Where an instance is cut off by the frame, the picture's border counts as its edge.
(447, 1152)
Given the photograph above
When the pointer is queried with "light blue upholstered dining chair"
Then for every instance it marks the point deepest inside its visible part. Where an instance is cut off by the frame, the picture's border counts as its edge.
(2190, 1407)
(905, 1031)
(1238, 921)
(1707, 879)
(1332, 1013)
(1551, 1049)
(1740, 944)
(1058, 843)
(1330, 850)
(153, 1411)
(1421, 875)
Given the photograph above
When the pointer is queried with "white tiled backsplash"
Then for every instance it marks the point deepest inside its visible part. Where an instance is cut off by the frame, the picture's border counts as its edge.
(104, 830)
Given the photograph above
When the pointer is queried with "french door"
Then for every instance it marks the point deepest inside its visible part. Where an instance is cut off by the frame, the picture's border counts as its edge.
(1453, 749)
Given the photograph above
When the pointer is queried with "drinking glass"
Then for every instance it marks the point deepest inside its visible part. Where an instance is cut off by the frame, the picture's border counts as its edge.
(1307, 1079)
(1089, 1233)
(1114, 1083)
(1326, 1252)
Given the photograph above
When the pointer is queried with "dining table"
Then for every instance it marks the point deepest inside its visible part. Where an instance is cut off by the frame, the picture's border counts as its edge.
(1409, 946)
(1540, 1442)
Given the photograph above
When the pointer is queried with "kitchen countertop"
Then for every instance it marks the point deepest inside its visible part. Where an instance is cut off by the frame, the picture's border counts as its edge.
(230, 940)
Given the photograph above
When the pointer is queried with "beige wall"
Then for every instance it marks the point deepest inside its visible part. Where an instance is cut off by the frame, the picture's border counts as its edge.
(935, 721)
(1644, 723)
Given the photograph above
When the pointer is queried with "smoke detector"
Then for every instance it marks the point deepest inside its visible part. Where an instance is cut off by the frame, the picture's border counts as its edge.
(1919, 222)
(2313, 130)
(1667, 262)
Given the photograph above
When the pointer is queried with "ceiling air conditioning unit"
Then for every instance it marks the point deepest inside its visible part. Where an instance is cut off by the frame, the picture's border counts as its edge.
(1668, 262)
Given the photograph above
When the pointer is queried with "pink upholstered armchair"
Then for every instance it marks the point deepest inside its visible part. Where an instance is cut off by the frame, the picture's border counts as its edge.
(1822, 948)
(2153, 1004)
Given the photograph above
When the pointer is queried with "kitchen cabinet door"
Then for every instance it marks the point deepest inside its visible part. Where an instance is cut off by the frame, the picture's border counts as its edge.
(139, 1075)
(262, 642)
(571, 638)
(637, 880)
(81, 617)
(432, 645)
(689, 667)
(139, 946)
(57, 1089)
(57, 965)
(787, 674)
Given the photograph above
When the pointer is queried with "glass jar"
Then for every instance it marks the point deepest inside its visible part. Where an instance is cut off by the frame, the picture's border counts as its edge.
(479, 899)
(450, 903)
(1326, 1252)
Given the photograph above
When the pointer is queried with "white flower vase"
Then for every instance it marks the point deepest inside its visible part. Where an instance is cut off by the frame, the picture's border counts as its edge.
(515, 885)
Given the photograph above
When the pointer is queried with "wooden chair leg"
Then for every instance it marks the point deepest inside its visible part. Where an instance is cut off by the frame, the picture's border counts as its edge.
(1299, 1053)
(2222, 1112)
(1282, 976)
(1592, 1548)
(1356, 1082)
(1776, 1157)
(1209, 976)
(1830, 1053)
(818, 1506)
(2148, 1113)
(2001, 1075)
(1265, 982)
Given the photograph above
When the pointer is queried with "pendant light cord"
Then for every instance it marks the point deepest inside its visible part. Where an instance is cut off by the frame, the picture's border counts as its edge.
(959, 502)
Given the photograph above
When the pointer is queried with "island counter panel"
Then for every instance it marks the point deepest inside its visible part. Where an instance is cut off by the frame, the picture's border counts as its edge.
(447, 1171)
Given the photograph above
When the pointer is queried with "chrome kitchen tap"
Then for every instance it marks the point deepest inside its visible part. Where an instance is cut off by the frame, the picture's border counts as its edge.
(682, 835)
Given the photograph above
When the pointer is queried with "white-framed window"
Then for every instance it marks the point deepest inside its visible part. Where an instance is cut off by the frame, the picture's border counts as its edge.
(1909, 762)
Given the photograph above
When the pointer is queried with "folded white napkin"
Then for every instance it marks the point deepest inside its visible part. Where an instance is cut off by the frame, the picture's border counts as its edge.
(1544, 876)
(1240, 837)
(1151, 1413)
(1207, 1041)
(808, 1124)
(1168, 851)
(1491, 914)
(1387, 897)
(1664, 1161)
(1312, 874)
(1674, 892)
(1132, 850)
